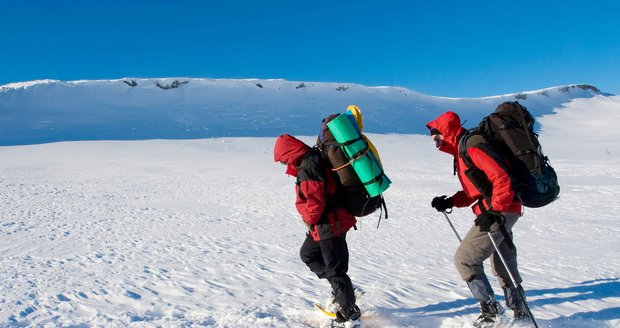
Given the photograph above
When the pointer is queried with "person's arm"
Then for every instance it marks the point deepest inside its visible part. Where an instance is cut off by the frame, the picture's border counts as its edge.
(503, 195)
(461, 199)
(311, 202)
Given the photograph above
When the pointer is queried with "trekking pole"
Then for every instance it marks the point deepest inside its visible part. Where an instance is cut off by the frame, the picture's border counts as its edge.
(453, 229)
(512, 278)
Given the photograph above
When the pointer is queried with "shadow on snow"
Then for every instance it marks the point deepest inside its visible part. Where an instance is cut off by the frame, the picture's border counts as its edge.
(598, 289)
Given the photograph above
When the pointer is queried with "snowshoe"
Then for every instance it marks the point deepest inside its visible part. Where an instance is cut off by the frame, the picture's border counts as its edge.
(326, 312)
(347, 324)
(353, 324)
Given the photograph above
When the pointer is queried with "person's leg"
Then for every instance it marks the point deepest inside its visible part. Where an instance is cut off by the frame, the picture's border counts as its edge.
(312, 256)
(509, 252)
(336, 258)
(514, 295)
(469, 257)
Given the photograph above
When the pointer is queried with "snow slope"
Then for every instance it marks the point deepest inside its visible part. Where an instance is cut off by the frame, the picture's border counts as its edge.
(134, 109)
(193, 233)
(587, 128)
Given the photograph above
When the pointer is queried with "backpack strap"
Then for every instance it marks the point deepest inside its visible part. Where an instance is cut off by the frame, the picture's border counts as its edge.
(353, 159)
(335, 143)
(373, 180)
(502, 229)
(462, 147)
(477, 177)
(383, 207)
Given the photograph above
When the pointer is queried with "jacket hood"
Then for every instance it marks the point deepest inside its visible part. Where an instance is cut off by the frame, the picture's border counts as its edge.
(449, 126)
(289, 150)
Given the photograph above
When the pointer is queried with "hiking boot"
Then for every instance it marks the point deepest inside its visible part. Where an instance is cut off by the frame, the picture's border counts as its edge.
(348, 313)
(515, 300)
(489, 314)
(521, 315)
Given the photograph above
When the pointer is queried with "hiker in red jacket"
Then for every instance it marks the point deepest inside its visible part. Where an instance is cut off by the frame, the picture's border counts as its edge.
(499, 211)
(325, 249)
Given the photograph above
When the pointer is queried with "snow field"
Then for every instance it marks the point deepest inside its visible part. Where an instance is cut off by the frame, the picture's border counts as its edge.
(205, 233)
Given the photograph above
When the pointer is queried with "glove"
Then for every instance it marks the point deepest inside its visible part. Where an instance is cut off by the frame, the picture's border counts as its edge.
(485, 220)
(442, 203)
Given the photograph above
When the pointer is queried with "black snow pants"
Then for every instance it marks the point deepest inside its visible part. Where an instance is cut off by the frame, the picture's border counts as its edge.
(329, 259)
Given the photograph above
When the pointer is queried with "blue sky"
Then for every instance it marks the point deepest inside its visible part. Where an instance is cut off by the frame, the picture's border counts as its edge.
(446, 48)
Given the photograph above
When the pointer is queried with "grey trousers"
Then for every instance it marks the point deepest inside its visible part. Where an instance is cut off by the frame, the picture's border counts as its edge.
(477, 247)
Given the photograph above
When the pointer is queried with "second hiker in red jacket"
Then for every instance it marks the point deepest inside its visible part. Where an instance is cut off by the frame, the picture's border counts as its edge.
(325, 249)
(497, 210)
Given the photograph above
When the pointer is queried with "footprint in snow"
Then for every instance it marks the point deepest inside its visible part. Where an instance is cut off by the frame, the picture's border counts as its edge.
(26, 311)
(133, 295)
(63, 298)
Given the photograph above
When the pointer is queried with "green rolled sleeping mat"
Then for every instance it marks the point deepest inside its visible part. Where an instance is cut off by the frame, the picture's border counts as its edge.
(346, 132)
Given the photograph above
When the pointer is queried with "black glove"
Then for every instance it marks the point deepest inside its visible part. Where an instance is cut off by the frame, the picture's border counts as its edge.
(442, 203)
(485, 220)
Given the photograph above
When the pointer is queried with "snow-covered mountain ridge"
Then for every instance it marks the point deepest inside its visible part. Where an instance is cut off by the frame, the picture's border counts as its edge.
(183, 108)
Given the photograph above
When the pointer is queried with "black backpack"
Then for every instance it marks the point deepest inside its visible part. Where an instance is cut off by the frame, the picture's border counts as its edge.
(352, 192)
(507, 135)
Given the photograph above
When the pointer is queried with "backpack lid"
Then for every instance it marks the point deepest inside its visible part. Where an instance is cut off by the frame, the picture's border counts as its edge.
(359, 117)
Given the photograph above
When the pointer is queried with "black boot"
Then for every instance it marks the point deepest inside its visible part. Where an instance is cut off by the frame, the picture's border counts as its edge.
(489, 314)
(489, 308)
(348, 313)
(521, 315)
(516, 302)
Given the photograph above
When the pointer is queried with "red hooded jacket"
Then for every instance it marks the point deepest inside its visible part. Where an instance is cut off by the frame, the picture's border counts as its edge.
(503, 198)
(315, 187)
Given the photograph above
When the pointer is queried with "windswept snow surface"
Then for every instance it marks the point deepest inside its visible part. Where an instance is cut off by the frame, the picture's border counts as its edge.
(189, 233)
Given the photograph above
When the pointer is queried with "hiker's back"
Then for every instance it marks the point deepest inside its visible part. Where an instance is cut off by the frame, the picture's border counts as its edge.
(359, 173)
(509, 133)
